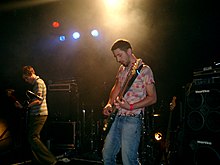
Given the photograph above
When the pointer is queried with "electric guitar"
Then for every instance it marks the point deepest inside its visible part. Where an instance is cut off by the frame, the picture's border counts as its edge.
(23, 106)
(110, 119)
(166, 145)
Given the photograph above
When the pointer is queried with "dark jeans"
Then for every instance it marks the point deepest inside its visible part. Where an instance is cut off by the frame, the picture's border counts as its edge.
(41, 153)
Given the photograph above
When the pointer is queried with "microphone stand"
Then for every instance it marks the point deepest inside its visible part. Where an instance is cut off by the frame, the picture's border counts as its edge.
(26, 118)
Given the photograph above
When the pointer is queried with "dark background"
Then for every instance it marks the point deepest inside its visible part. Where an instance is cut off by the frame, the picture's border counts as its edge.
(174, 37)
(182, 36)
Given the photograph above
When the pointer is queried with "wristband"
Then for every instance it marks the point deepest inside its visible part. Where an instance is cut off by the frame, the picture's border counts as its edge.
(131, 107)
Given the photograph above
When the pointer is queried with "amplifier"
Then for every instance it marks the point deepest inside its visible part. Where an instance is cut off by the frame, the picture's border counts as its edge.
(59, 87)
(63, 134)
(64, 85)
(207, 81)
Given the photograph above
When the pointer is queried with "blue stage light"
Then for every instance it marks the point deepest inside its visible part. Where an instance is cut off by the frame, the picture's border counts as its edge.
(62, 38)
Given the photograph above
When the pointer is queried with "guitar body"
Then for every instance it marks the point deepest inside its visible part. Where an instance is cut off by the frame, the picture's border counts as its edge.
(24, 106)
(108, 121)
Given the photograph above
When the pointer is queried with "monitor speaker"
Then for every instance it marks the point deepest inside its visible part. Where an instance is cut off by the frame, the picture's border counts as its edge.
(202, 125)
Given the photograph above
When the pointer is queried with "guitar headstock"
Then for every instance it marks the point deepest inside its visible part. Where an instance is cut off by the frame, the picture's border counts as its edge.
(173, 103)
(135, 66)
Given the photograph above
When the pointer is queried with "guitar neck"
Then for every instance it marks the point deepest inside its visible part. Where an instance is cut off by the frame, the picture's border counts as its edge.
(125, 85)
(169, 127)
(173, 105)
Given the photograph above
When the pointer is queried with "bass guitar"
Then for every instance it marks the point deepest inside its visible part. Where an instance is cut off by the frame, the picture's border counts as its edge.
(166, 145)
(110, 119)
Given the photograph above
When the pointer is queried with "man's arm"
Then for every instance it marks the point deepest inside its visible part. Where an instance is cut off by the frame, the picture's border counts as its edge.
(35, 102)
(150, 99)
(38, 100)
(113, 94)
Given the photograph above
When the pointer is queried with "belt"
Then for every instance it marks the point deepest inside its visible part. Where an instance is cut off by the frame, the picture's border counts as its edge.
(130, 115)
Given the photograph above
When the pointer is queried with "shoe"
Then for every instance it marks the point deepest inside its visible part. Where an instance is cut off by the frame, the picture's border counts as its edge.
(65, 160)
(62, 161)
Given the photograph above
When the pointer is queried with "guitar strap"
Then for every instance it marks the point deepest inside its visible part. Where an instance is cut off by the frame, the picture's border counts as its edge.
(137, 72)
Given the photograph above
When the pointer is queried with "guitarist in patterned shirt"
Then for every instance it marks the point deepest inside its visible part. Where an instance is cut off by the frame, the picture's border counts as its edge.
(125, 130)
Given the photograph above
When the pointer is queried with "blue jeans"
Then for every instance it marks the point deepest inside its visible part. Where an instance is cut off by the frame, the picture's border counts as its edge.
(124, 134)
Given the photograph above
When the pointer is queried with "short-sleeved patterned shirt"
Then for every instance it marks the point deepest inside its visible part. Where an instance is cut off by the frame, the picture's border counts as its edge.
(39, 87)
(137, 91)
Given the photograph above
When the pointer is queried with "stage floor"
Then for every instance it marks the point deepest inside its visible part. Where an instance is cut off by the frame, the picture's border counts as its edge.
(74, 161)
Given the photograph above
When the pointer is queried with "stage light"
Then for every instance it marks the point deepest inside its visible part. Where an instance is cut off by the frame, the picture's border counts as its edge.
(95, 33)
(105, 127)
(115, 4)
(76, 35)
(62, 38)
(158, 136)
(56, 24)
(111, 2)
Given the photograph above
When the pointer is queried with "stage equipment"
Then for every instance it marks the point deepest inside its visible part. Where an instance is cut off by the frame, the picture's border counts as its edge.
(62, 38)
(149, 149)
(56, 24)
(63, 135)
(63, 101)
(158, 136)
(95, 33)
(202, 118)
(91, 142)
(5, 137)
(76, 35)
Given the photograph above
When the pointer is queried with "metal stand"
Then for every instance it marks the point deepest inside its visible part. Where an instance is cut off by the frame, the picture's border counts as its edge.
(92, 140)
(147, 146)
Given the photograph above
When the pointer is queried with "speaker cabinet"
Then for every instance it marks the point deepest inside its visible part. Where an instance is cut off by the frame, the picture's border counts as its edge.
(63, 135)
(62, 102)
(202, 125)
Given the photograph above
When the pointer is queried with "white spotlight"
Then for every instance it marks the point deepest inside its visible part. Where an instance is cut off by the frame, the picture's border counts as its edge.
(95, 33)
(76, 35)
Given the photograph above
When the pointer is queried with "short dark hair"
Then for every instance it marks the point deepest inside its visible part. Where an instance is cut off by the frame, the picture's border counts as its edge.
(28, 70)
(121, 44)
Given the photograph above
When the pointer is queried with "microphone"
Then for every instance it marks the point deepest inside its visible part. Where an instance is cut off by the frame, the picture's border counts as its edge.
(35, 95)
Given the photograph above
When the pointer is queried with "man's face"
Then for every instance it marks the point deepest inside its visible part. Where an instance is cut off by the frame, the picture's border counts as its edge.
(28, 79)
(121, 56)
